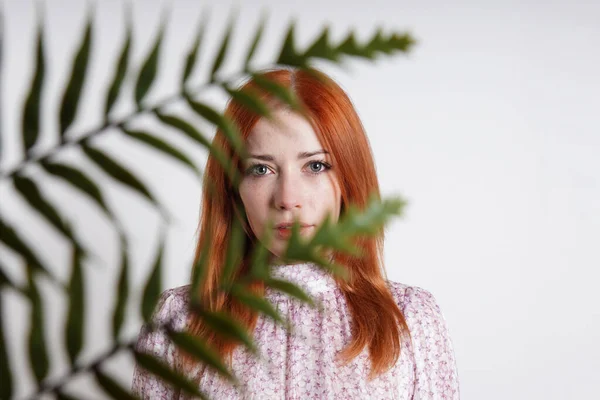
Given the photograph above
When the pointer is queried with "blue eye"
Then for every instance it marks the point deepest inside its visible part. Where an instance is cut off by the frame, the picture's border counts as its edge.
(259, 169)
(316, 167)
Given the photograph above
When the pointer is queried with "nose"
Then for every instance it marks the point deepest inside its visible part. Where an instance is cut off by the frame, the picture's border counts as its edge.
(287, 194)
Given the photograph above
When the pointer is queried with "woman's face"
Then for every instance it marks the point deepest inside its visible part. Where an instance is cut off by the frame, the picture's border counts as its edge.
(287, 175)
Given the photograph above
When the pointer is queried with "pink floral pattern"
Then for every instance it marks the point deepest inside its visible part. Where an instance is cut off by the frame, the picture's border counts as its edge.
(301, 364)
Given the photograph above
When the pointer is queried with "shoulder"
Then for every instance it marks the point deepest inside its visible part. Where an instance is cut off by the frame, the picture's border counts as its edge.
(437, 375)
(419, 307)
(413, 298)
(172, 306)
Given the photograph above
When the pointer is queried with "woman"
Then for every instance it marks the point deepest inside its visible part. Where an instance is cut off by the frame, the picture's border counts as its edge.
(373, 338)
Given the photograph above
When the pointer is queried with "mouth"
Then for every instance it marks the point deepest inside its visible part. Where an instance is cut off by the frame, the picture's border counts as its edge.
(284, 231)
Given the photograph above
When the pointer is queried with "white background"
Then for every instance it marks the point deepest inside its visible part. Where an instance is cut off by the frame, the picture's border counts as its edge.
(489, 128)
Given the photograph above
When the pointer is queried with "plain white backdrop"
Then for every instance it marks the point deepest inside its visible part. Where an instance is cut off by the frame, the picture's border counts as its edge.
(489, 128)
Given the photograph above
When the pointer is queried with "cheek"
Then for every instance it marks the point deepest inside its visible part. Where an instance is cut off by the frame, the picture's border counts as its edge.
(255, 204)
(326, 197)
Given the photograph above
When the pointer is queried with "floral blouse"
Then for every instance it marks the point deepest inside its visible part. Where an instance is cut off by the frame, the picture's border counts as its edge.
(299, 364)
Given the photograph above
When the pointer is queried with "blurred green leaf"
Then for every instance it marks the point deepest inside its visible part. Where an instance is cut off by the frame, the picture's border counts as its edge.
(122, 291)
(289, 288)
(255, 41)
(191, 132)
(159, 368)
(371, 220)
(190, 60)
(350, 47)
(259, 262)
(321, 47)
(121, 69)
(13, 241)
(327, 234)
(226, 326)
(70, 100)
(284, 94)
(163, 147)
(196, 347)
(38, 354)
(387, 45)
(32, 195)
(112, 387)
(223, 48)
(31, 109)
(118, 172)
(149, 68)
(75, 314)
(200, 269)
(250, 101)
(5, 280)
(6, 388)
(235, 251)
(61, 395)
(229, 130)
(79, 181)
(257, 303)
(288, 54)
(402, 42)
(153, 285)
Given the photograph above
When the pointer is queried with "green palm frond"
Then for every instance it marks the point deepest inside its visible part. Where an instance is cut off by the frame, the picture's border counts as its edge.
(72, 97)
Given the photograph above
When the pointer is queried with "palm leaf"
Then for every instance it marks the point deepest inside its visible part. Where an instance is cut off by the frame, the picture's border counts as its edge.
(111, 387)
(282, 93)
(122, 291)
(255, 41)
(350, 47)
(5, 280)
(121, 70)
(13, 241)
(81, 182)
(257, 303)
(6, 388)
(61, 395)
(199, 269)
(229, 130)
(38, 354)
(192, 56)
(249, 101)
(31, 109)
(70, 100)
(153, 286)
(149, 68)
(226, 326)
(118, 172)
(193, 133)
(234, 254)
(30, 192)
(162, 146)
(289, 288)
(75, 315)
(371, 220)
(222, 49)
(321, 48)
(196, 347)
(159, 368)
(288, 54)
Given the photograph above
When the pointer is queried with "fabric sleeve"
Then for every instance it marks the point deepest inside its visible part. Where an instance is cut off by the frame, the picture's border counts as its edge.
(146, 385)
(436, 371)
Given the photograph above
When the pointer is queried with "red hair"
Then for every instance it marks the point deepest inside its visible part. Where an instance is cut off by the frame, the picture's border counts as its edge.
(378, 323)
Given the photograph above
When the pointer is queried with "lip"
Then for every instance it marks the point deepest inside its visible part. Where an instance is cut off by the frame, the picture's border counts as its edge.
(284, 230)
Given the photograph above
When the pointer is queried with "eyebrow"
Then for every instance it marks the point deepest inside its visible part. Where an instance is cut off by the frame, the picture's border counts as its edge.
(304, 154)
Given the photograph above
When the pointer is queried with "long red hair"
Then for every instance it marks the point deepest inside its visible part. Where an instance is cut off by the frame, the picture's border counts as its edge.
(378, 323)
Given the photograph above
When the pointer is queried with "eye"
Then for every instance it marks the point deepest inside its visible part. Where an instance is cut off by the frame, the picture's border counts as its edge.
(258, 170)
(317, 167)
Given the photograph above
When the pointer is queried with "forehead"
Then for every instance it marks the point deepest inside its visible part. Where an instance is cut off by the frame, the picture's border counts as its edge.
(287, 130)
